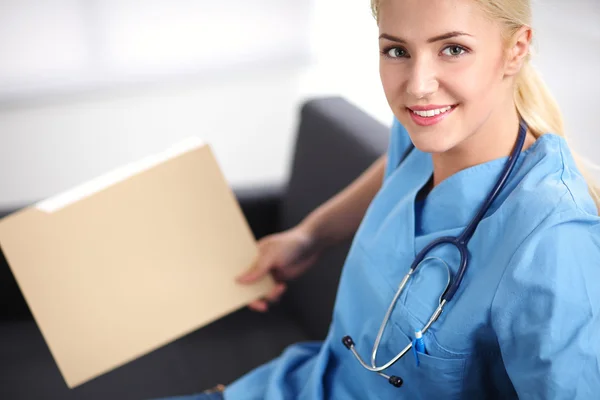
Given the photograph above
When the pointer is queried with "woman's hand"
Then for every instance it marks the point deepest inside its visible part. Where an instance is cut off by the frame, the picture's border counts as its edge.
(285, 255)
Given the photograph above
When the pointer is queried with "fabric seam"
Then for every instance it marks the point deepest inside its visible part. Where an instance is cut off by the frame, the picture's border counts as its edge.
(562, 174)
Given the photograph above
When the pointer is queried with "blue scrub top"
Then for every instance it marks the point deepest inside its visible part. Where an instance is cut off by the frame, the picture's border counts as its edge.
(525, 321)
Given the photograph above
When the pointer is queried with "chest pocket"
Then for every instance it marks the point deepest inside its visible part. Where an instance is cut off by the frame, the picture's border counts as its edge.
(439, 375)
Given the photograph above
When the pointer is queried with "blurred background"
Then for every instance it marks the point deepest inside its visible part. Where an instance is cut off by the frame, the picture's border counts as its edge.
(88, 85)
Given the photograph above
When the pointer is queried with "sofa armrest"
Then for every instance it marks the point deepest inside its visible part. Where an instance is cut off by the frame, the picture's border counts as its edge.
(336, 142)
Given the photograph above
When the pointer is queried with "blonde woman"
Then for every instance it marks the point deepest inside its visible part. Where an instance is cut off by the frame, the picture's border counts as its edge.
(517, 280)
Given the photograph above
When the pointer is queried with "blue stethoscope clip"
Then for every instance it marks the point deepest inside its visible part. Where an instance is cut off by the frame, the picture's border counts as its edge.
(418, 346)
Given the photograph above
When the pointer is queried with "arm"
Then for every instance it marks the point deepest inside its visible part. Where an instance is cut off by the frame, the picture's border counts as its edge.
(339, 217)
(546, 313)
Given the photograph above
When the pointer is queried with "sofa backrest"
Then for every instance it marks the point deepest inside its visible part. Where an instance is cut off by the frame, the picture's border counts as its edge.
(335, 143)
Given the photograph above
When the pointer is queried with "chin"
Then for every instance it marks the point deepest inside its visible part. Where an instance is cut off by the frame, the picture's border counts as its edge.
(438, 138)
(433, 147)
(431, 140)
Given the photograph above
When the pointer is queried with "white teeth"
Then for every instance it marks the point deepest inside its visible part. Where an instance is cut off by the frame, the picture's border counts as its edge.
(431, 113)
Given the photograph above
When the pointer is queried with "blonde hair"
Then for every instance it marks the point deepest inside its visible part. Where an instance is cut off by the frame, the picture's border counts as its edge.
(533, 100)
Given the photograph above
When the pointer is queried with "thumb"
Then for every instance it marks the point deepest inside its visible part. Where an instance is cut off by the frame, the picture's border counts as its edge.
(260, 268)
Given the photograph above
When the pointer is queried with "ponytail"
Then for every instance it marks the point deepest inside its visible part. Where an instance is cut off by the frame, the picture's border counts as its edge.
(535, 103)
(540, 111)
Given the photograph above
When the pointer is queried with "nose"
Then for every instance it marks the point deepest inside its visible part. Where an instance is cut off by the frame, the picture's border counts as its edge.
(422, 81)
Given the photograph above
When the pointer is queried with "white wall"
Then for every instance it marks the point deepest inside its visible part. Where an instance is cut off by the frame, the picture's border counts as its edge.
(87, 85)
(55, 146)
(68, 117)
(568, 57)
(58, 47)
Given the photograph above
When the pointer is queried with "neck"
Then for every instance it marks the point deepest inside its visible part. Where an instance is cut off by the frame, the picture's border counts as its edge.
(496, 138)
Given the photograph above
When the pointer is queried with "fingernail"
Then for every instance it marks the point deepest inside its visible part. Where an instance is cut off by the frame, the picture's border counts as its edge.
(244, 278)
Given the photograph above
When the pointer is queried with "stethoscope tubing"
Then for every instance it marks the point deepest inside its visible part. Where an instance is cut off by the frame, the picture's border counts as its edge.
(460, 242)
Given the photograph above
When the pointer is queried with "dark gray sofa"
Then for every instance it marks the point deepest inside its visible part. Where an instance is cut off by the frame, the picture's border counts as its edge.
(335, 142)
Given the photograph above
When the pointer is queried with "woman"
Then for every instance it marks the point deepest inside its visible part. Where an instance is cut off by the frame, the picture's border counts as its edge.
(525, 319)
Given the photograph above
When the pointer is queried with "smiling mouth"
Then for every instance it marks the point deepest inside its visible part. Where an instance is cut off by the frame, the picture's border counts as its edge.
(430, 115)
(432, 112)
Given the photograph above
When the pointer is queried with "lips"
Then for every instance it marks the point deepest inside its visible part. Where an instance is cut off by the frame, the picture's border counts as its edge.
(430, 115)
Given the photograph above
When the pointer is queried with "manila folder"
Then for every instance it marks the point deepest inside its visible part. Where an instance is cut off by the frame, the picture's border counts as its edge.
(132, 260)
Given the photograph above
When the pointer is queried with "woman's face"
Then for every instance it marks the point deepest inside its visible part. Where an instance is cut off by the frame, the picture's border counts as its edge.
(442, 69)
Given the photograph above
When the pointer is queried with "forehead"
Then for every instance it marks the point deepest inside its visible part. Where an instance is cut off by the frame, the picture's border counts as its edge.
(418, 19)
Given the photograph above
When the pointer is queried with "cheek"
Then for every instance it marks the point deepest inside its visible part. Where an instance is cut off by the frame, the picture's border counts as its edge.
(392, 82)
(476, 85)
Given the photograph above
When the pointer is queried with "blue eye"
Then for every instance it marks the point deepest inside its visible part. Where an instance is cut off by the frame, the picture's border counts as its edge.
(454, 51)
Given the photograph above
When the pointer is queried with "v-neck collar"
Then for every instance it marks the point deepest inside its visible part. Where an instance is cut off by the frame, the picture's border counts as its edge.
(417, 169)
(454, 201)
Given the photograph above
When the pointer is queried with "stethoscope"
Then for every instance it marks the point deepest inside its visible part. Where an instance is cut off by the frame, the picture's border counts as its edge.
(460, 242)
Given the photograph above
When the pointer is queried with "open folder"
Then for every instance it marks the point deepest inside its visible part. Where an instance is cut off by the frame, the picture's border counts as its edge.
(132, 260)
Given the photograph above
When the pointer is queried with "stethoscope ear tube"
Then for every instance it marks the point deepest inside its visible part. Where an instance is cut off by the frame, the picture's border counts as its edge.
(462, 241)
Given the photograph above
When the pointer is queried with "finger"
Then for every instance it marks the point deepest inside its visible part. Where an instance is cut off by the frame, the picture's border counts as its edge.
(262, 304)
(259, 306)
(251, 276)
(276, 293)
(260, 269)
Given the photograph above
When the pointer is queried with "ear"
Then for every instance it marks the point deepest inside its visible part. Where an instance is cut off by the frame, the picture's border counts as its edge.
(518, 52)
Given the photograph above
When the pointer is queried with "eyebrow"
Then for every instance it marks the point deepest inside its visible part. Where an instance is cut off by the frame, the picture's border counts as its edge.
(444, 36)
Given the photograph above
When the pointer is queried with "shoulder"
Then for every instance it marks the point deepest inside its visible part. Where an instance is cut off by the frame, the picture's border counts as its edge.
(553, 154)
(563, 247)
(548, 190)
(556, 227)
(547, 224)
